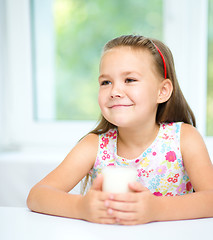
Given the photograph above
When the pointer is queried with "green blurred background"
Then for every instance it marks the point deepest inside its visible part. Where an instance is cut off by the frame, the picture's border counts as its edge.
(82, 28)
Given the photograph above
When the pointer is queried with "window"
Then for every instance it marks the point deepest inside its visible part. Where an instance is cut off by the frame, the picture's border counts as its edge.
(41, 78)
(68, 36)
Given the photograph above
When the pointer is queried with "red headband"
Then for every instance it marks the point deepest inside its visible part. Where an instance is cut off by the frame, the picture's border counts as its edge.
(164, 63)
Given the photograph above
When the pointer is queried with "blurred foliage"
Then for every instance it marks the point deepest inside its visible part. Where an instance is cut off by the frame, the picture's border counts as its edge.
(209, 118)
(82, 27)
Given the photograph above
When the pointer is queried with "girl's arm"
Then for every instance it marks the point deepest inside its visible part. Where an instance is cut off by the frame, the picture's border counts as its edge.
(142, 206)
(51, 195)
(200, 171)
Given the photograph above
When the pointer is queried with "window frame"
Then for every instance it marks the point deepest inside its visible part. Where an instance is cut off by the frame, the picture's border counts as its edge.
(19, 129)
(22, 130)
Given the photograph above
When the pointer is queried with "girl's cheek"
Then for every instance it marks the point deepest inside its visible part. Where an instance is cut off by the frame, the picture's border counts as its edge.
(102, 97)
(99, 98)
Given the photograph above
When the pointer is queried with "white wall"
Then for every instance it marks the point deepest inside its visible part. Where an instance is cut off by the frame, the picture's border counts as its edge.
(20, 172)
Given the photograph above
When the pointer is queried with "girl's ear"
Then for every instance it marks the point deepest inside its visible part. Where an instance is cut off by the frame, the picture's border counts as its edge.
(165, 91)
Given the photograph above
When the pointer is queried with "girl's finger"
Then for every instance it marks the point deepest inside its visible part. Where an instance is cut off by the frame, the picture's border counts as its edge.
(137, 187)
(128, 216)
(123, 197)
(120, 206)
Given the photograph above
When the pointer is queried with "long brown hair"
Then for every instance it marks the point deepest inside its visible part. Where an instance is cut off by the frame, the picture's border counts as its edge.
(176, 109)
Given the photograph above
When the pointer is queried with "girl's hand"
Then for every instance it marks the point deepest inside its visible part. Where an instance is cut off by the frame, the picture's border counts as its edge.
(133, 208)
(92, 206)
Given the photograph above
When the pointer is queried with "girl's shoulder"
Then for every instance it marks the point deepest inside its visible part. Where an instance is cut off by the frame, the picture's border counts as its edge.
(87, 145)
(189, 132)
(89, 141)
(184, 129)
(85, 150)
(191, 139)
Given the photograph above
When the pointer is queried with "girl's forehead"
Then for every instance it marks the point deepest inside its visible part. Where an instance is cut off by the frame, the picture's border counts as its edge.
(127, 50)
(127, 55)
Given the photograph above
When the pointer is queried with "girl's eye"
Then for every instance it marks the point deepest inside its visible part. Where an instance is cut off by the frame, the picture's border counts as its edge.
(105, 83)
(129, 80)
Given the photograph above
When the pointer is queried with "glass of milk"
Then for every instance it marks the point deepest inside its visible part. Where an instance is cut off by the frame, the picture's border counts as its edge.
(116, 179)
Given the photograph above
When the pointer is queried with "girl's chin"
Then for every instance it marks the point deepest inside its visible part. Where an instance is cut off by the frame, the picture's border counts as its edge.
(121, 124)
(120, 120)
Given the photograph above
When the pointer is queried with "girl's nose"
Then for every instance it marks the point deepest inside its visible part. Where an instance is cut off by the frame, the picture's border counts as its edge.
(116, 92)
(115, 95)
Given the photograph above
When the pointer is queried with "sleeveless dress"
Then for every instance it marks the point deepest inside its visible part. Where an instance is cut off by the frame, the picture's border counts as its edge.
(159, 168)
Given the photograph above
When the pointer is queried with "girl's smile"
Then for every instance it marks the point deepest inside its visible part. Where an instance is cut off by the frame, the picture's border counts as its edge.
(129, 86)
(120, 105)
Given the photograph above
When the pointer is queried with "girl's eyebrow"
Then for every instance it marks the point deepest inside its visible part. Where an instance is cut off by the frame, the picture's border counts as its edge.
(104, 76)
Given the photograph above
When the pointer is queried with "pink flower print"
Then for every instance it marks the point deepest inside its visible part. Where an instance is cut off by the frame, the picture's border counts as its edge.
(181, 188)
(102, 145)
(139, 171)
(106, 141)
(171, 156)
(154, 153)
(158, 194)
(110, 164)
(165, 136)
(111, 134)
(104, 152)
(169, 194)
(108, 156)
(170, 179)
(104, 158)
(161, 170)
(137, 160)
(175, 179)
(114, 134)
(188, 186)
(146, 173)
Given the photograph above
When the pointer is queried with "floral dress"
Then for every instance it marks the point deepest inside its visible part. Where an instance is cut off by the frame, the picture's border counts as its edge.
(159, 168)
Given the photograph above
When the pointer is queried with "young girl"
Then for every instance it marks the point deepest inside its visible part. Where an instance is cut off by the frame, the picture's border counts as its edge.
(146, 123)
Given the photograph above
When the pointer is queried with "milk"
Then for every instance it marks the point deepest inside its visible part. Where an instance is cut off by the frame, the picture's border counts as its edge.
(116, 179)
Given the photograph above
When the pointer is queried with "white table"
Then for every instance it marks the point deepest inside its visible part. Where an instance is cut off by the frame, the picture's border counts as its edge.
(20, 223)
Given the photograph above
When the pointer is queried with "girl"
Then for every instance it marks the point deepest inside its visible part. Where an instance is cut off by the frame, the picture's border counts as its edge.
(146, 123)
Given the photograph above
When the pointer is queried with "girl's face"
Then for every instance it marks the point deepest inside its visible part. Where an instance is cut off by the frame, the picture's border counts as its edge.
(129, 87)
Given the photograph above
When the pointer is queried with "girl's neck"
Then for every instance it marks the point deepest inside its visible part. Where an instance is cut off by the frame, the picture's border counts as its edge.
(132, 142)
